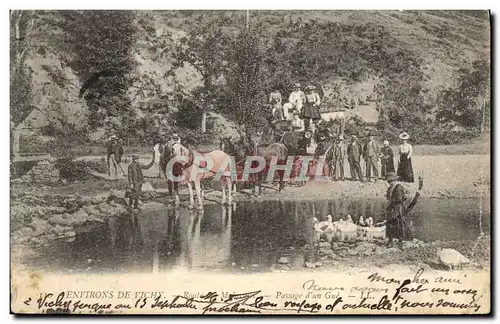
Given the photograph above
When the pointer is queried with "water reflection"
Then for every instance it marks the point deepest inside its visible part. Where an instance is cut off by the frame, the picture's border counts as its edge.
(249, 235)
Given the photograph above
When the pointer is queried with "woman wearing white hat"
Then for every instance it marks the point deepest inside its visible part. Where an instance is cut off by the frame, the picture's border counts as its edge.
(405, 169)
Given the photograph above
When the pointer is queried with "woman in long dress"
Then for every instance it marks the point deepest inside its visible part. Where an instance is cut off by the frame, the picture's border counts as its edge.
(387, 159)
(405, 169)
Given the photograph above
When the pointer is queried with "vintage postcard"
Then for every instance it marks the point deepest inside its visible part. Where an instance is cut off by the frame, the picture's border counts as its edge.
(250, 162)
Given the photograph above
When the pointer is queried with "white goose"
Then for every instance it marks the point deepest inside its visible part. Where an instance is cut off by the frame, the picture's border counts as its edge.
(375, 231)
(451, 258)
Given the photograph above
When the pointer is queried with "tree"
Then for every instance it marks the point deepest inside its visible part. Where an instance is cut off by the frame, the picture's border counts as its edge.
(246, 82)
(465, 105)
(205, 48)
(101, 43)
(21, 27)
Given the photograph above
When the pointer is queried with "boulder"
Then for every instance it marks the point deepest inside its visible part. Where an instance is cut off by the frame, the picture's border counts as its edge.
(310, 265)
(58, 219)
(325, 245)
(283, 260)
(91, 209)
(78, 217)
(39, 226)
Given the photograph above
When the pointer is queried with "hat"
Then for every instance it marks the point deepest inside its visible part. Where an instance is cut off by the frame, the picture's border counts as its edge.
(134, 157)
(386, 142)
(404, 136)
(391, 176)
(310, 87)
(296, 85)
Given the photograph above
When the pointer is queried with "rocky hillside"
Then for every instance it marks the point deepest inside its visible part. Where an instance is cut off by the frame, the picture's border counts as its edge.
(394, 60)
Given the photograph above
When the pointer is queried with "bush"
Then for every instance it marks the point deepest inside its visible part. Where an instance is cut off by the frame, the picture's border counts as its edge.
(73, 170)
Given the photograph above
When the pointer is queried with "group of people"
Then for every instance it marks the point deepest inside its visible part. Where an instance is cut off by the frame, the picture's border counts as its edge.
(301, 108)
(371, 153)
(162, 152)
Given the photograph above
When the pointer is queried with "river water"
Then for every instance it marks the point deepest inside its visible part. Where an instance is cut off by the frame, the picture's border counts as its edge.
(246, 235)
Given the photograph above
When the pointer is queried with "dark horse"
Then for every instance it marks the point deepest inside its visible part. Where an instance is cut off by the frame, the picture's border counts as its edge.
(244, 147)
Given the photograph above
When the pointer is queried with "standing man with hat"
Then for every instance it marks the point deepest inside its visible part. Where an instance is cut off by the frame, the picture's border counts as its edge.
(114, 154)
(371, 154)
(338, 159)
(354, 151)
(297, 98)
(135, 180)
(167, 155)
(398, 226)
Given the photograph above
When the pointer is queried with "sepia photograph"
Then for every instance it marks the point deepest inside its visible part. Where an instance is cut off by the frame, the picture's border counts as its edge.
(250, 162)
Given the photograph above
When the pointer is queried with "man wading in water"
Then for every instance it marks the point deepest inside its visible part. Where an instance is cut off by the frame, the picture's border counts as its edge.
(399, 225)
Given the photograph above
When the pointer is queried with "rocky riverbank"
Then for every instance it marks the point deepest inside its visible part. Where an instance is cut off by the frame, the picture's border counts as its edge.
(37, 220)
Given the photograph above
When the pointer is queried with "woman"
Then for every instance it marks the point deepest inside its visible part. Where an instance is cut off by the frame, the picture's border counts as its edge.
(275, 99)
(405, 169)
(297, 123)
(387, 159)
(311, 107)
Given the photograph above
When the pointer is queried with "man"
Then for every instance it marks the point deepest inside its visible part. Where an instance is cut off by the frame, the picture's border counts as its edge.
(167, 155)
(135, 180)
(114, 153)
(338, 159)
(387, 159)
(371, 154)
(398, 226)
(354, 151)
(297, 98)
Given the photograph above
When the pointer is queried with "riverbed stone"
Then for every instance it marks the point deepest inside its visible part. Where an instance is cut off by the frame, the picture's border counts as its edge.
(39, 226)
(310, 265)
(25, 231)
(91, 209)
(283, 260)
(78, 217)
(58, 219)
(325, 245)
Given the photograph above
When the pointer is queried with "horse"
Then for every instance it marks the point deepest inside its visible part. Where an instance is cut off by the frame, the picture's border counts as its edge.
(193, 171)
(245, 147)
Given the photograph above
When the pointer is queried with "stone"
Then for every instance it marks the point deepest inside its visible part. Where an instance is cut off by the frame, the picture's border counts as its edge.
(352, 252)
(325, 245)
(283, 260)
(39, 226)
(310, 265)
(25, 231)
(59, 220)
(91, 209)
(78, 217)
(318, 264)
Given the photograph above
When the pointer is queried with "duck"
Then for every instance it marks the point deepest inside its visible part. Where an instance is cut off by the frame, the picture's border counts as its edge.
(348, 226)
(451, 258)
(349, 219)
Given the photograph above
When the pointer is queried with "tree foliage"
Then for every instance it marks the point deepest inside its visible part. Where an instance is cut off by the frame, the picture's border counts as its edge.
(101, 43)
(464, 105)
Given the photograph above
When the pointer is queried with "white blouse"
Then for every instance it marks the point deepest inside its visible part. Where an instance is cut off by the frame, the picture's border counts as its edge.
(298, 125)
(406, 149)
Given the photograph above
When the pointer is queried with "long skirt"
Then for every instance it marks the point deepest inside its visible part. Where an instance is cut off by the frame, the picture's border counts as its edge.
(310, 112)
(387, 166)
(398, 224)
(405, 170)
